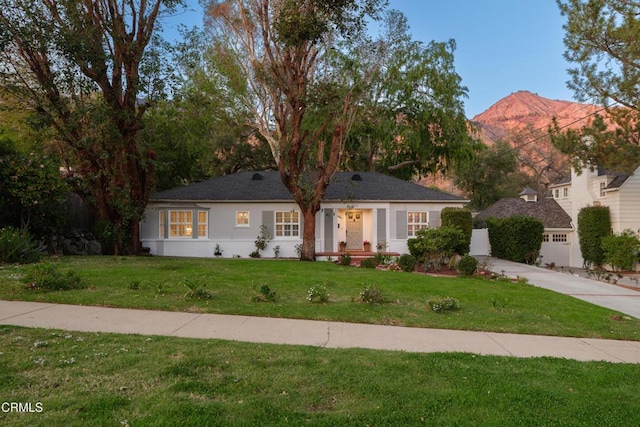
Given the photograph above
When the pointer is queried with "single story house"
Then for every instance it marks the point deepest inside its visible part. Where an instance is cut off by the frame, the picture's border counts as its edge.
(558, 228)
(227, 212)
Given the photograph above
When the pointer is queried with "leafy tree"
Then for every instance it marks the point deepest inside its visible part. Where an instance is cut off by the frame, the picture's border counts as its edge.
(492, 175)
(602, 42)
(540, 161)
(279, 58)
(412, 119)
(31, 190)
(200, 132)
(78, 64)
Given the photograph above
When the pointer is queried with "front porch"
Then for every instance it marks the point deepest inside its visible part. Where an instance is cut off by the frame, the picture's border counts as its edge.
(356, 254)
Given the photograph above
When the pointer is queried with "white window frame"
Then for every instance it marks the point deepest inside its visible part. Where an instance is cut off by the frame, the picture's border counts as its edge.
(162, 224)
(545, 237)
(244, 216)
(603, 185)
(286, 224)
(202, 224)
(417, 220)
(556, 193)
(565, 192)
(180, 224)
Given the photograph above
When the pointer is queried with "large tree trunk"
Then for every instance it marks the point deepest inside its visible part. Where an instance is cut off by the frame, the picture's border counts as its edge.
(309, 235)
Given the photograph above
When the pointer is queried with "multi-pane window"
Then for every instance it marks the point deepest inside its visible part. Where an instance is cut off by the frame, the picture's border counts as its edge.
(287, 224)
(557, 193)
(565, 192)
(416, 221)
(559, 237)
(181, 224)
(545, 237)
(242, 219)
(202, 224)
(603, 185)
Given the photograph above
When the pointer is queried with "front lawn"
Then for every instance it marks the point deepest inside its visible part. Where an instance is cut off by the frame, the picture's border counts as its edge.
(86, 379)
(163, 284)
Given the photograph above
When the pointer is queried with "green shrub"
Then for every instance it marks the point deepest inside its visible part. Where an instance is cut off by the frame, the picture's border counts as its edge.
(594, 223)
(516, 238)
(318, 293)
(368, 263)
(345, 259)
(446, 304)
(407, 262)
(371, 294)
(18, 246)
(467, 265)
(195, 289)
(47, 276)
(462, 219)
(621, 250)
(265, 294)
(436, 245)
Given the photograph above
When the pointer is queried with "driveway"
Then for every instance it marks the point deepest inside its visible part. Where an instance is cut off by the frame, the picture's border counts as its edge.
(615, 297)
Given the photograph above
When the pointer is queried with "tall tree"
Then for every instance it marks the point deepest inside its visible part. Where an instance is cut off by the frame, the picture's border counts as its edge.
(199, 132)
(77, 63)
(602, 42)
(279, 55)
(490, 176)
(412, 121)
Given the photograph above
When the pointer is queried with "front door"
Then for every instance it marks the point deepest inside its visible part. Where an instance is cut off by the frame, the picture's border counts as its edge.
(354, 230)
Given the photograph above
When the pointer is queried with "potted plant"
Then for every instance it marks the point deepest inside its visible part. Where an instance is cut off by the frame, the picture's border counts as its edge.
(367, 246)
(342, 246)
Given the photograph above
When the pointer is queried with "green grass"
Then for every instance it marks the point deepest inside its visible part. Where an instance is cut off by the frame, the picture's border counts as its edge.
(161, 284)
(87, 379)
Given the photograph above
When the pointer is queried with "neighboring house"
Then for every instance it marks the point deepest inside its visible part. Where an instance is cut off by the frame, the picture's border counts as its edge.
(600, 187)
(229, 211)
(558, 230)
(591, 187)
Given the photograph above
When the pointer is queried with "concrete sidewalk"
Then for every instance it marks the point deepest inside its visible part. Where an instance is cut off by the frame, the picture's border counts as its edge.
(606, 295)
(312, 333)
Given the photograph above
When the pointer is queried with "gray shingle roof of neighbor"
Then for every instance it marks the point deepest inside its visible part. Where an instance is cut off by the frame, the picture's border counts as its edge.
(267, 186)
(546, 210)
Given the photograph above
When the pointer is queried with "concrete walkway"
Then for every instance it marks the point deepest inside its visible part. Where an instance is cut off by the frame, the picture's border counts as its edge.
(606, 295)
(350, 335)
(312, 333)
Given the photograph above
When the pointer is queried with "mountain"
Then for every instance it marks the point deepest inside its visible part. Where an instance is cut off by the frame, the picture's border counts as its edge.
(521, 109)
(522, 119)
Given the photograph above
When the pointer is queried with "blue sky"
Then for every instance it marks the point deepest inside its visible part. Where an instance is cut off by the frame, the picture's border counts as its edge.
(502, 45)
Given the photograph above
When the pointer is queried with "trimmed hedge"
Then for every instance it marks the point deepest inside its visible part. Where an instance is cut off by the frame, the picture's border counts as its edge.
(459, 218)
(621, 250)
(594, 223)
(517, 238)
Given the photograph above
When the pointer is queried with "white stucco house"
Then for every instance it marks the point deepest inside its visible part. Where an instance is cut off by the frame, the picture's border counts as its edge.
(229, 211)
(599, 187)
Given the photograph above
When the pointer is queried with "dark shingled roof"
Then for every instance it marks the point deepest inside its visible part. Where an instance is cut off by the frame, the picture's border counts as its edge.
(267, 186)
(546, 210)
(618, 178)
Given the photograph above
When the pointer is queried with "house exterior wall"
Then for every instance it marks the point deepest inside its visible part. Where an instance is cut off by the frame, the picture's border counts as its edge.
(629, 204)
(585, 189)
(238, 240)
